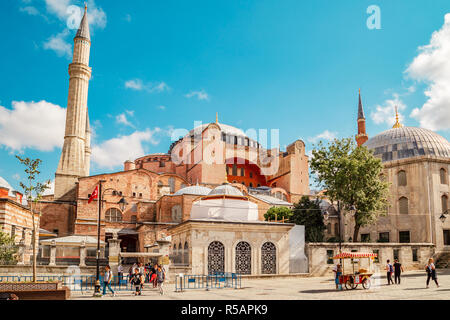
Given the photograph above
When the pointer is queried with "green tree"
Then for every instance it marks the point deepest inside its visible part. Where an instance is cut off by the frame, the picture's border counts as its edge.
(279, 212)
(8, 250)
(309, 214)
(351, 175)
(33, 191)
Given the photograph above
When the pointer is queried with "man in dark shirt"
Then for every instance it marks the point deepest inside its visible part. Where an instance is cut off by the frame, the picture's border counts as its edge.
(398, 269)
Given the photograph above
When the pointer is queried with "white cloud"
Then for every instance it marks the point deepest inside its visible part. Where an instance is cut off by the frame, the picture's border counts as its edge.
(161, 107)
(35, 125)
(122, 118)
(386, 113)
(128, 18)
(51, 190)
(138, 85)
(201, 95)
(326, 135)
(58, 44)
(16, 176)
(432, 66)
(32, 11)
(112, 153)
(130, 112)
(71, 15)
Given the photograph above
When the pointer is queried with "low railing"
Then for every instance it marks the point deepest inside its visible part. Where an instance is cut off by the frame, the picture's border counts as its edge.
(74, 283)
(217, 280)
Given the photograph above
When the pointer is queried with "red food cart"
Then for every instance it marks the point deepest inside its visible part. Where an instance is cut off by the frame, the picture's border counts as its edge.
(357, 275)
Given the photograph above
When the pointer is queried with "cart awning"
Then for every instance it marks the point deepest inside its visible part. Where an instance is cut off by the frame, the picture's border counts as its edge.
(352, 255)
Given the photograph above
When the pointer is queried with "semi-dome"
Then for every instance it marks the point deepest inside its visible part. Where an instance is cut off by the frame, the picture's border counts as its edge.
(408, 142)
(196, 190)
(226, 189)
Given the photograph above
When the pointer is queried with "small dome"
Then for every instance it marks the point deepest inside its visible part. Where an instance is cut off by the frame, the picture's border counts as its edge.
(226, 189)
(197, 190)
(408, 142)
(5, 184)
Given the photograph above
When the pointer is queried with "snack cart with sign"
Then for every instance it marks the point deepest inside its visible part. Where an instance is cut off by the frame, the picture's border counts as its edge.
(357, 275)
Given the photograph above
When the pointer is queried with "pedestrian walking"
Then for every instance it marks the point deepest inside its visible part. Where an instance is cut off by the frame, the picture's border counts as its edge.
(160, 277)
(398, 269)
(431, 272)
(136, 281)
(389, 271)
(107, 278)
(119, 273)
(337, 273)
(153, 275)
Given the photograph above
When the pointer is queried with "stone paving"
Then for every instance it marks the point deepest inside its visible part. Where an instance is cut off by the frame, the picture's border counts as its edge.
(312, 288)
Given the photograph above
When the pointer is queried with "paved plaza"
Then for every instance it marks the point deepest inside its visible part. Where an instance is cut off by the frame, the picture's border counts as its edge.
(311, 288)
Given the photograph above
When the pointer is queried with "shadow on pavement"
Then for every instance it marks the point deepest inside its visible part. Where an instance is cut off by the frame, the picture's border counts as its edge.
(319, 291)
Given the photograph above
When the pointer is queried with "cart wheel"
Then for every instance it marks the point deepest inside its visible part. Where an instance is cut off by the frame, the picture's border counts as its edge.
(349, 285)
(366, 283)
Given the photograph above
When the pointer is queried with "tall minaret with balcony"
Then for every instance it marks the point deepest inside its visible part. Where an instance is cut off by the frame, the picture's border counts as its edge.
(75, 156)
(361, 137)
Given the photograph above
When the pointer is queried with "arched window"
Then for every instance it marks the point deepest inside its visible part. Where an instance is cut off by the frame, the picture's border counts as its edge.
(443, 175)
(216, 257)
(186, 254)
(176, 213)
(444, 200)
(243, 258)
(113, 215)
(401, 178)
(268, 258)
(403, 205)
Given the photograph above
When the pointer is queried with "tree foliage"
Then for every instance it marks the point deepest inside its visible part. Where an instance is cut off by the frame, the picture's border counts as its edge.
(308, 213)
(279, 212)
(8, 250)
(351, 175)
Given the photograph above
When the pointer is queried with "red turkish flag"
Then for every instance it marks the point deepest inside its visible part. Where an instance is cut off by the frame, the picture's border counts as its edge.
(94, 195)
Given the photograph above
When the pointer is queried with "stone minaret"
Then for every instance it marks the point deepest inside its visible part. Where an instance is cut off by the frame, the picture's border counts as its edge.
(361, 137)
(75, 156)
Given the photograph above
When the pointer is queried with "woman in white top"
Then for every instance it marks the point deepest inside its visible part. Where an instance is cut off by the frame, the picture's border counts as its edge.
(431, 272)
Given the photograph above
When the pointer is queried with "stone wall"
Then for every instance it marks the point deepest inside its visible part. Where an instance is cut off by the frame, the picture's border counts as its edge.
(317, 255)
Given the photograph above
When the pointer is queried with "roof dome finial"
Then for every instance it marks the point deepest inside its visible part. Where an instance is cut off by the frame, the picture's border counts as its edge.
(397, 124)
(217, 117)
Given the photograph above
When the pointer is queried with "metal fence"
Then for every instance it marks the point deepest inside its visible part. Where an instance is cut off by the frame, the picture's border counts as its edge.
(218, 280)
(74, 283)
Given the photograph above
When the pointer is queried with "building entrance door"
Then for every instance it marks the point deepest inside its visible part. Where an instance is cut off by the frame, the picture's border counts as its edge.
(446, 237)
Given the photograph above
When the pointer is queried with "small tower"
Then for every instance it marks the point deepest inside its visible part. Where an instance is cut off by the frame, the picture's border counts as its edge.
(75, 155)
(361, 137)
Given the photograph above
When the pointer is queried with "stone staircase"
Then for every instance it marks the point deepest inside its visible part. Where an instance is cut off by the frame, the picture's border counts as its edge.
(442, 260)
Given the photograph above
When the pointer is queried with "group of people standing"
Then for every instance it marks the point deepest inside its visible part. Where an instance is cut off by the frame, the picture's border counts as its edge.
(397, 269)
(138, 274)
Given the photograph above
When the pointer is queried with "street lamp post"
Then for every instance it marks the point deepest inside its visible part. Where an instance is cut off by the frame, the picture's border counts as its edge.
(122, 203)
(443, 216)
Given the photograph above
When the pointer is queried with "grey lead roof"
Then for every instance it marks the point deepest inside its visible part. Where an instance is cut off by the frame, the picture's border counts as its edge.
(83, 30)
(408, 142)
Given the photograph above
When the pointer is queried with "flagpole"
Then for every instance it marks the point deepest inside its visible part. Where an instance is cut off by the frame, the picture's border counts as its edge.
(97, 282)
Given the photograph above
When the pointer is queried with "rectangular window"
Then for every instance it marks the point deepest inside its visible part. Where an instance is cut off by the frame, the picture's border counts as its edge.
(383, 237)
(133, 219)
(234, 173)
(377, 258)
(414, 255)
(365, 237)
(447, 237)
(404, 237)
(242, 172)
(13, 232)
(396, 254)
(330, 254)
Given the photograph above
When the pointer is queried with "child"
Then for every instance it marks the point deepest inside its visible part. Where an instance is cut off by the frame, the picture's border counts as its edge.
(136, 280)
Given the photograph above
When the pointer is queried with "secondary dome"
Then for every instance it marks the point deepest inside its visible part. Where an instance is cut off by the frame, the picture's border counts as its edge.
(5, 184)
(227, 129)
(408, 142)
(226, 189)
(196, 190)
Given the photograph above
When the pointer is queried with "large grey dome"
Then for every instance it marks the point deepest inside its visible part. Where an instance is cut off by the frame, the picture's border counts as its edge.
(196, 190)
(408, 142)
(226, 189)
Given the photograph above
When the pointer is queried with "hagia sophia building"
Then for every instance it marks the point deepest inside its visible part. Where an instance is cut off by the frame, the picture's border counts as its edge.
(219, 173)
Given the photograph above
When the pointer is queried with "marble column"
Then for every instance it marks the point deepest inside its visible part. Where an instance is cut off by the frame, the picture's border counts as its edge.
(82, 254)
(52, 254)
(114, 253)
(21, 253)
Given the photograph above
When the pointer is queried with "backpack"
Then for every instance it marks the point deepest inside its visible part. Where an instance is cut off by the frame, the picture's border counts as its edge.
(391, 268)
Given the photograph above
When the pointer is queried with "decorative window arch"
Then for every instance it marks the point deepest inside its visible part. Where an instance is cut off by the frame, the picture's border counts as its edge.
(403, 205)
(243, 258)
(177, 213)
(186, 254)
(216, 257)
(444, 200)
(113, 215)
(268, 258)
(443, 176)
(401, 178)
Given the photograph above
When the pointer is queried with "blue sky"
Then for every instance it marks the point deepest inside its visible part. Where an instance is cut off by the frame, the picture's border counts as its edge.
(290, 65)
